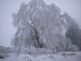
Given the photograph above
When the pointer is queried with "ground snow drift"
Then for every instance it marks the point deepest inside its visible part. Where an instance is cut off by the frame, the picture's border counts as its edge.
(44, 57)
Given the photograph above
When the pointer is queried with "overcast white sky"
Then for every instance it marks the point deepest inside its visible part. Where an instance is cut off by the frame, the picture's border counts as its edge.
(7, 7)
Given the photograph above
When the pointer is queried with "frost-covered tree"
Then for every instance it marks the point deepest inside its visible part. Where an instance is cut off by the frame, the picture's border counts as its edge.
(73, 33)
(41, 26)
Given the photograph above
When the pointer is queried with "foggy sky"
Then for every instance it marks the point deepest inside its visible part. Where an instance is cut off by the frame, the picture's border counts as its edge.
(7, 7)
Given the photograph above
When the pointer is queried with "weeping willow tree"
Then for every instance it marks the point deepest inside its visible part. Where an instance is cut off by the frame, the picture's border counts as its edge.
(41, 25)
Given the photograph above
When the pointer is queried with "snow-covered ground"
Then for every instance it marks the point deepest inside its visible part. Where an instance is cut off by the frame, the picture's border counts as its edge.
(44, 57)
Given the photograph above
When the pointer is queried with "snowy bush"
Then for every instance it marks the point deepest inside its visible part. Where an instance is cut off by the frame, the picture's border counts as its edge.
(4, 51)
(68, 53)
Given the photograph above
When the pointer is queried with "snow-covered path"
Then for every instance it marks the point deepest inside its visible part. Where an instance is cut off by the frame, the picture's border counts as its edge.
(43, 57)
